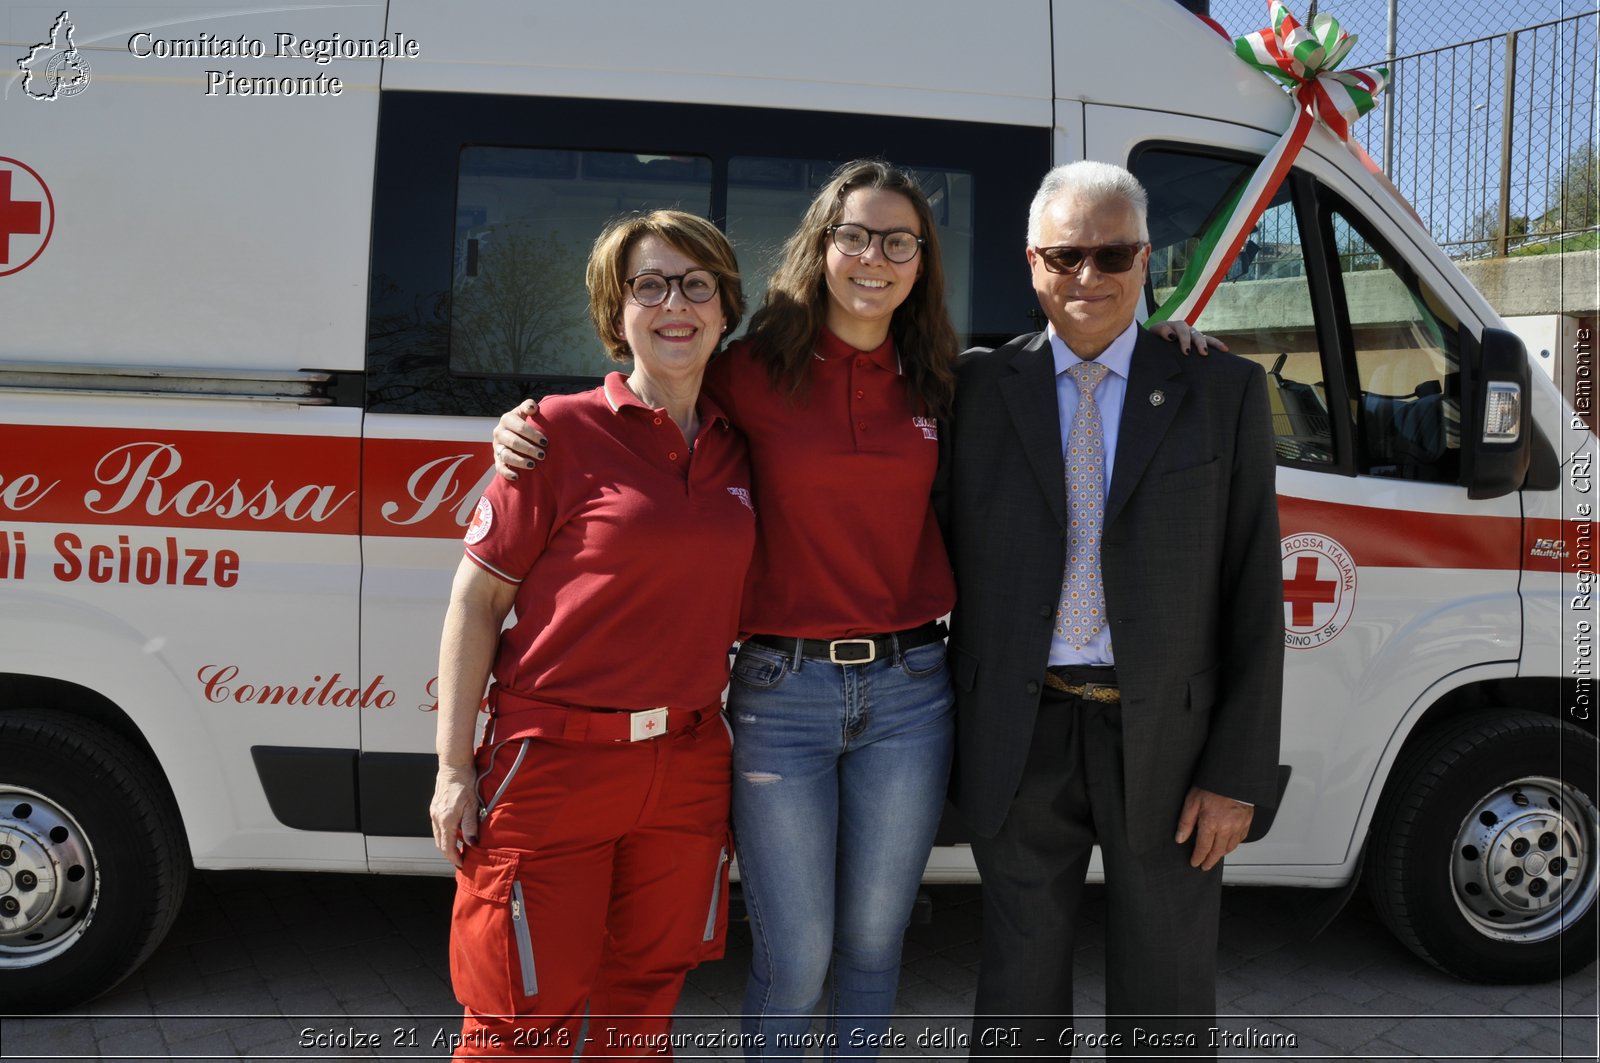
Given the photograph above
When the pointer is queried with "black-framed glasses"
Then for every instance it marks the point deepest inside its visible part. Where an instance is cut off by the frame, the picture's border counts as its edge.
(1108, 258)
(899, 245)
(652, 289)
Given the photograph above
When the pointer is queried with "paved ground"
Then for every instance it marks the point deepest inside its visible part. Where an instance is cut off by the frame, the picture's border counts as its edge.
(265, 965)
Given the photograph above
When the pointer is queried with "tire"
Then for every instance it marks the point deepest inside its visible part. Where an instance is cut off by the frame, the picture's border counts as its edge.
(93, 861)
(1483, 856)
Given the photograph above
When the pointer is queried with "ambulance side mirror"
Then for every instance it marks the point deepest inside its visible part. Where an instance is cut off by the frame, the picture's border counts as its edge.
(1498, 440)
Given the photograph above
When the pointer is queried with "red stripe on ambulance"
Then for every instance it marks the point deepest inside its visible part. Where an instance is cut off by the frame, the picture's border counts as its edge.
(1388, 538)
(164, 479)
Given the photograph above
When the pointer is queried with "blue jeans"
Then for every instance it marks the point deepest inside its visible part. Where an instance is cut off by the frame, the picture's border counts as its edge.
(839, 777)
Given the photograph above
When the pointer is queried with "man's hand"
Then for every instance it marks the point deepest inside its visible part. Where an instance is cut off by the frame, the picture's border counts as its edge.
(517, 444)
(1218, 824)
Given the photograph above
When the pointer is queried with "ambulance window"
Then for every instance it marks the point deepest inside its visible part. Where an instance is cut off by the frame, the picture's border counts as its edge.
(525, 220)
(766, 196)
(1262, 308)
(1408, 415)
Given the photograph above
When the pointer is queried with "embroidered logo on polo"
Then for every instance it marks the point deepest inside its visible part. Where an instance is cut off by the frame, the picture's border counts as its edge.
(929, 426)
(743, 495)
(482, 518)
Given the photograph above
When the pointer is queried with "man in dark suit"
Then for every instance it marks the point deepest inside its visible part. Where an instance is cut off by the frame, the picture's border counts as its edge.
(1117, 645)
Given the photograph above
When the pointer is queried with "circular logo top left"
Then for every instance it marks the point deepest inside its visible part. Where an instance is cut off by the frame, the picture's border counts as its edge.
(27, 215)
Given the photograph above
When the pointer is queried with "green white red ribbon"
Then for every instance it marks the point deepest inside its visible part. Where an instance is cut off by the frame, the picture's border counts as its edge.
(1304, 60)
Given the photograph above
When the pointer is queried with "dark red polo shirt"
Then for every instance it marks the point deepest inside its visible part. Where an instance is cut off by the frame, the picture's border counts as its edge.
(629, 553)
(849, 544)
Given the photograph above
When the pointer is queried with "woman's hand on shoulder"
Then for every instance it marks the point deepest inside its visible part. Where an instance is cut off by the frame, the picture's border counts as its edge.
(1185, 335)
(517, 444)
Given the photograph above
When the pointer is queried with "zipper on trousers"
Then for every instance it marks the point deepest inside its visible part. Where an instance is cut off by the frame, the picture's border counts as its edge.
(519, 928)
(716, 895)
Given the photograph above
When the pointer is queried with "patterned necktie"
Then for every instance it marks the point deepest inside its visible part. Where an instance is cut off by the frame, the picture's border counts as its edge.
(1081, 613)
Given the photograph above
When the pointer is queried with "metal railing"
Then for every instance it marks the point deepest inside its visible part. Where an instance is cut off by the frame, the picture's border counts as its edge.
(1494, 139)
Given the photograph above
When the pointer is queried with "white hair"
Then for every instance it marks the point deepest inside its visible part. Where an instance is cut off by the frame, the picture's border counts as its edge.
(1094, 182)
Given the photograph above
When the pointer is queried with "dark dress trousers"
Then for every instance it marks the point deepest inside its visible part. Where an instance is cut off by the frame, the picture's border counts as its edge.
(1193, 589)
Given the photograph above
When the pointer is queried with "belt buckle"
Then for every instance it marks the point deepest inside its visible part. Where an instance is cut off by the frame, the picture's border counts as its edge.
(646, 724)
(833, 651)
(1089, 690)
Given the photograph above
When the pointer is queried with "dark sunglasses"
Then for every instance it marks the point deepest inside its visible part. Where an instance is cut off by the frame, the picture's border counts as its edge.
(1108, 258)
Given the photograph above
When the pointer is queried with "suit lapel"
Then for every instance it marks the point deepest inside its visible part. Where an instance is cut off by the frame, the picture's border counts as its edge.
(1030, 398)
(1157, 367)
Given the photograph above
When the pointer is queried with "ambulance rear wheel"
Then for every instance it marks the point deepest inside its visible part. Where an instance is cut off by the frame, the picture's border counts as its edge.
(1483, 857)
(92, 860)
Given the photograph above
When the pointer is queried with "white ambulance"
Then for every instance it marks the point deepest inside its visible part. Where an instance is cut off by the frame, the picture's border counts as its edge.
(267, 275)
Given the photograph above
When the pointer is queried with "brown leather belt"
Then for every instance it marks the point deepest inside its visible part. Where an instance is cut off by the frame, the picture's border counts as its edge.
(1104, 693)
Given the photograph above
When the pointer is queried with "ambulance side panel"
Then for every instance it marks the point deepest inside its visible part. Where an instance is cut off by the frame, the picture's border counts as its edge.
(192, 551)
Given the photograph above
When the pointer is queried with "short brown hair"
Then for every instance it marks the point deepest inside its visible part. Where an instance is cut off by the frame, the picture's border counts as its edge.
(686, 233)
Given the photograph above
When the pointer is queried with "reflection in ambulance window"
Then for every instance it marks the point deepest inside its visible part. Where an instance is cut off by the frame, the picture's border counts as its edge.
(525, 220)
(1409, 414)
(1262, 308)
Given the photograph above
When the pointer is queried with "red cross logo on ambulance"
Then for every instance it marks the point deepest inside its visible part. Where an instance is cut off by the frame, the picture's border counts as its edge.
(27, 216)
(1319, 590)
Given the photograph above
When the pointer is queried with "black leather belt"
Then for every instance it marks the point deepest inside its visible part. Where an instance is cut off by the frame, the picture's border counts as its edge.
(863, 649)
(1090, 684)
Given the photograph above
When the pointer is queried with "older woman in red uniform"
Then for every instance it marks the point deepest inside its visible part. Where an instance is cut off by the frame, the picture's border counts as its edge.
(590, 830)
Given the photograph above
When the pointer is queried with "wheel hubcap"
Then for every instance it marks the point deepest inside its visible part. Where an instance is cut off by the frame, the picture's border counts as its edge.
(47, 878)
(1524, 862)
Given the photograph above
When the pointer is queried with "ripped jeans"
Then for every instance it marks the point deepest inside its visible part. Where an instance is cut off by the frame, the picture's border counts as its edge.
(839, 781)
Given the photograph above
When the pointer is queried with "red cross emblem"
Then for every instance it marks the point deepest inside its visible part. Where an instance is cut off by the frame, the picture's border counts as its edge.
(1319, 589)
(1305, 592)
(27, 216)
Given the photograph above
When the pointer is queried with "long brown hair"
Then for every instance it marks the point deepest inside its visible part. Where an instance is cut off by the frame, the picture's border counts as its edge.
(784, 332)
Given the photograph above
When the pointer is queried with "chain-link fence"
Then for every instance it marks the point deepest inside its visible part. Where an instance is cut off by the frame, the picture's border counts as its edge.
(1420, 25)
(1492, 130)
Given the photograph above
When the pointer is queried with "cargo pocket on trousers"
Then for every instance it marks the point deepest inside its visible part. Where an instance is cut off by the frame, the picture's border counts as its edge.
(491, 949)
(715, 938)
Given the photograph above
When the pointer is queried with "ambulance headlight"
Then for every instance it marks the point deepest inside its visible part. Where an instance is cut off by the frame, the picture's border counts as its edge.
(1502, 413)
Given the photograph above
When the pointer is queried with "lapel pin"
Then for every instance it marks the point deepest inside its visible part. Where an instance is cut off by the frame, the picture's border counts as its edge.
(1157, 397)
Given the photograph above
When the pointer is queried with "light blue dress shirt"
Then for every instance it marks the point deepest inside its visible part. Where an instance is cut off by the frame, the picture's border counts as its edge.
(1109, 396)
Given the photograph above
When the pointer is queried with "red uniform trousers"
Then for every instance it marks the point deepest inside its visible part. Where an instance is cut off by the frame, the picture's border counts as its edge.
(598, 881)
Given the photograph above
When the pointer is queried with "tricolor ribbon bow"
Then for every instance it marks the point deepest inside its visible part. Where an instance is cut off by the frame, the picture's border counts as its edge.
(1304, 60)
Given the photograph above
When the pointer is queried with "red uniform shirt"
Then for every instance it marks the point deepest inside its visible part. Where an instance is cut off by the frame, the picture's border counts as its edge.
(629, 553)
(849, 544)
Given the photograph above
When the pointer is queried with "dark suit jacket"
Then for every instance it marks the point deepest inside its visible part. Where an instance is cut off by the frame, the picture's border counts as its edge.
(1191, 567)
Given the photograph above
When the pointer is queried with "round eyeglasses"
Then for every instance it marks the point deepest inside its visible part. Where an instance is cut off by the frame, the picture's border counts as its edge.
(652, 289)
(899, 245)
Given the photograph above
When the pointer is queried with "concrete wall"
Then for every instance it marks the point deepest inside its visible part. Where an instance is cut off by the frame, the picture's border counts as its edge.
(1531, 285)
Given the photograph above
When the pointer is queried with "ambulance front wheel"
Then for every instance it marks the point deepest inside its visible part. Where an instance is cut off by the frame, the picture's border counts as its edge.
(92, 860)
(1483, 855)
